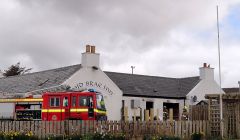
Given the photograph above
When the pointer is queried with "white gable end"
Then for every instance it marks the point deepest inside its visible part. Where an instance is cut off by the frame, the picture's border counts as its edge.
(89, 78)
(202, 88)
(207, 85)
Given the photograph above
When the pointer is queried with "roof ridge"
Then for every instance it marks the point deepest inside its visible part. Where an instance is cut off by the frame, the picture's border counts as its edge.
(152, 75)
(140, 75)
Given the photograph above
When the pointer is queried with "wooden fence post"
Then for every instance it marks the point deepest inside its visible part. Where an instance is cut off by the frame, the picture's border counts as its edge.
(146, 115)
(151, 114)
(134, 114)
(125, 110)
(157, 115)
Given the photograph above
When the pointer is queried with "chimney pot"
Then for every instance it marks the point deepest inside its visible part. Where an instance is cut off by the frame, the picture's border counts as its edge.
(88, 48)
(204, 65)
(92, 49)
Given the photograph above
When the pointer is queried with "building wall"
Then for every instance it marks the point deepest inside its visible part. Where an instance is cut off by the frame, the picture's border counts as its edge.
(89, 78)
(201, 89)
(207, 85)
(7, 110)
(1, 74)
(157, 104)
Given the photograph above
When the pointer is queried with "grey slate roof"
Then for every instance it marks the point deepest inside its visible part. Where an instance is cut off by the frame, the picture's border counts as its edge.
(37, 80)
(153, 86)
(131, 85)
(231, 90)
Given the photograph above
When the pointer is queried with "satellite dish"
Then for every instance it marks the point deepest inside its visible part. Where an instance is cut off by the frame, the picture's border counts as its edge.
(194, 98)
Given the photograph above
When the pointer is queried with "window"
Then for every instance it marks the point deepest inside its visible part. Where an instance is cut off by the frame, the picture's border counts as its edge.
(100, 102)
(74, 101)
(54, 101)
(86, 101)
(83, 101)
(57, 101)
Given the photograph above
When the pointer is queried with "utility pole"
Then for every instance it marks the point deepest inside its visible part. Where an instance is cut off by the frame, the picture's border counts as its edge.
(132, 67)
(238, 86)
(220, 78)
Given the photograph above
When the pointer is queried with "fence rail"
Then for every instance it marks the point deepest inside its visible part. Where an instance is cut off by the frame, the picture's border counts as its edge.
(42, 129)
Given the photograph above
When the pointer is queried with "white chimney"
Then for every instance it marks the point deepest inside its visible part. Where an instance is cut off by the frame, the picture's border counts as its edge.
(90, 58)
(1, 74)
(206, 72)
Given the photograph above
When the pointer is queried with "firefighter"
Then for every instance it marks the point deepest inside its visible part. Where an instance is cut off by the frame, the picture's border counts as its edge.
(65, 101)
(102, 103)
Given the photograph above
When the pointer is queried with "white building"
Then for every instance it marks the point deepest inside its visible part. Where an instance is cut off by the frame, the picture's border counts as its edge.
(1, 74)
(155, 92)
(136, 92)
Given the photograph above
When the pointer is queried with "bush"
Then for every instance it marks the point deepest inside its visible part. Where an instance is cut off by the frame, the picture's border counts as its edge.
(197, 136)
(95, 136)
(215, 138)
(149, 137)
(17, 136)
(98, 136)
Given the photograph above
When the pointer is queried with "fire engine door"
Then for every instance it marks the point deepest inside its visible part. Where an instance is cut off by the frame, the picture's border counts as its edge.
(90, 107)
(66, 106)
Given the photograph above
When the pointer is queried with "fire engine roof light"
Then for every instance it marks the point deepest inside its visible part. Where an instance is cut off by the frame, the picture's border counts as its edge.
(91, 90)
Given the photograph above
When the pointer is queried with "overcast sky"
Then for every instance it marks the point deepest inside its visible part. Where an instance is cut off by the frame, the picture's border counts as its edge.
(170, 38)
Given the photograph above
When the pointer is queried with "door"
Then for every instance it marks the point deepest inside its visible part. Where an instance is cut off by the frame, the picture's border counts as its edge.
(90, 108)
(65, 107)
(149, 106)
(168, 106)
(54, 108)
(86, 107)
(74, 114)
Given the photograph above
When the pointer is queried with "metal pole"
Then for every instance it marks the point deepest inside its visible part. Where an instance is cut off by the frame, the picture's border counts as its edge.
(239, 86)
(132, 67)
(220, 78)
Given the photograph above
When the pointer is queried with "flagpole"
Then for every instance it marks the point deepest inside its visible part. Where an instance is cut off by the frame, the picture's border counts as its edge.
(220, 77)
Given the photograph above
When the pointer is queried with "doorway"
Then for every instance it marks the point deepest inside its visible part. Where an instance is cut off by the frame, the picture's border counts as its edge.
(175, 107)
(149, 105)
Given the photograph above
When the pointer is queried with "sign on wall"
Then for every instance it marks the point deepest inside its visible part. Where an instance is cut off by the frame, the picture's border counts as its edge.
(94, 84)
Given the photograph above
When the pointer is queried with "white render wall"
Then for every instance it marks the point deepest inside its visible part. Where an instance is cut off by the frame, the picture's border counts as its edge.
(88, 78)
(157, 105)
(202, 88)
(1, 74)
(207, 85)
(7, 110)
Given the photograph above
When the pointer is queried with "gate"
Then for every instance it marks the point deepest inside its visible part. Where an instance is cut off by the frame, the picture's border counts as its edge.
(231, 115)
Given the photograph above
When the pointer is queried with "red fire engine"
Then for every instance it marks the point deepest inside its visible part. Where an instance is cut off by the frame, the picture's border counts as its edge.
(73, 105)
(56, 106)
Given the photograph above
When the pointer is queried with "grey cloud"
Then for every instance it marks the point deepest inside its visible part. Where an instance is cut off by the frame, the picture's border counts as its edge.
(53, 33)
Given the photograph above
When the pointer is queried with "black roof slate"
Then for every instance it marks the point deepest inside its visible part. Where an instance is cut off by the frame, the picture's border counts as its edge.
(131, 85)
(153, 86)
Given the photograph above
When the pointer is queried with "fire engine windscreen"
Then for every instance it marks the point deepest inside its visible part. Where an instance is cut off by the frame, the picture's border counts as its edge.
(100, 102)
